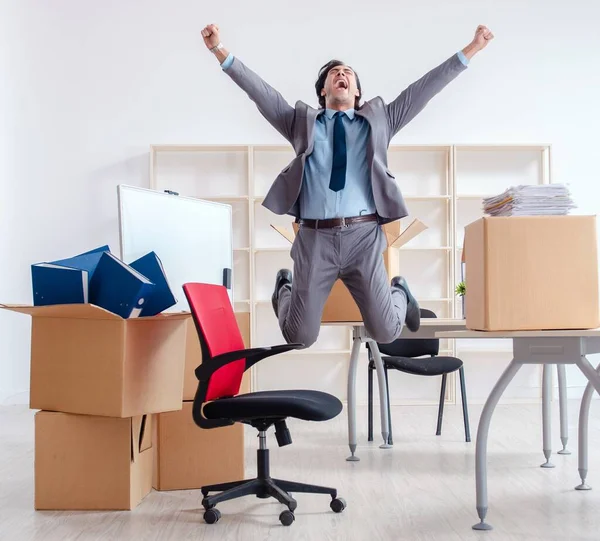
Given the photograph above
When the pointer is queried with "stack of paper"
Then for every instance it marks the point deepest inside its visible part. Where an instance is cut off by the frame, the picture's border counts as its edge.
(530, 200)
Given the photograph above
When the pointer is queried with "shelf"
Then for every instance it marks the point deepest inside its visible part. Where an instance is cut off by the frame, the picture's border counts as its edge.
(261, 198)
(427, 197)
(274, 249)
(420, 148)
(403, 248)
(198, 148)
(392, 148)
(444, 299)
(426, 248)
(226, 198)
(243, 301)
(273, 148)
(474, 196)
(502, 147)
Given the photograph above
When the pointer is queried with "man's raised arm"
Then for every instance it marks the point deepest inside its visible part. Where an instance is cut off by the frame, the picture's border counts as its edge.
(269, 101)
(416, 96)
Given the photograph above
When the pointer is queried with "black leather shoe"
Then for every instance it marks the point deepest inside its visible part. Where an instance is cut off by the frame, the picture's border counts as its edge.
(413, 311)
(284, 277)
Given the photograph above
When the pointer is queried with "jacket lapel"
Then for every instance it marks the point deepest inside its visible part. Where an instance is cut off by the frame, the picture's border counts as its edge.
(311, 117)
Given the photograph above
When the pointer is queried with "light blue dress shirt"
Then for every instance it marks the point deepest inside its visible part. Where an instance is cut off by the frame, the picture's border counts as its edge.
(317, 201)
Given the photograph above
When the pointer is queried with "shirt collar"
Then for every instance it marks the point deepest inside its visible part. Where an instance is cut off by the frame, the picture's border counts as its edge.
(331, 112)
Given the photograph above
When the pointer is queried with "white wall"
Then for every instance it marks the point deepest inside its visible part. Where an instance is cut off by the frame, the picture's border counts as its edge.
(86, 87)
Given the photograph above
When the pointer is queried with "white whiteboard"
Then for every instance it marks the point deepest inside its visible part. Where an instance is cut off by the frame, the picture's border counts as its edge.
(192, 237)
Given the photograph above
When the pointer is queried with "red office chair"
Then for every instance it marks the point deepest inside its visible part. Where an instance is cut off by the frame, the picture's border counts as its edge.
(217, 402)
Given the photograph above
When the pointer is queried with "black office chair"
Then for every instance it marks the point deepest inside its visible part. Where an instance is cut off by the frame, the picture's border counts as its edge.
(217, 402)
(408, 355)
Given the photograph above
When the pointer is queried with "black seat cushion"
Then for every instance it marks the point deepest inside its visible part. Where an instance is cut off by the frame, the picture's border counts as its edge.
(307, 405)
(427, 366)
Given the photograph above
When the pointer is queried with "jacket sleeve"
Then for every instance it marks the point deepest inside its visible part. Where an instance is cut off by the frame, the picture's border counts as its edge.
(269, 101)
(415, 97)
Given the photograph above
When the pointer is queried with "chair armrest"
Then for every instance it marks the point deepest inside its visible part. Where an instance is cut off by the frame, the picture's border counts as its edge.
(252, 356)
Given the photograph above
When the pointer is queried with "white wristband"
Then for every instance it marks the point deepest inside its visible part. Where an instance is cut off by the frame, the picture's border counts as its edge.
(216, 47)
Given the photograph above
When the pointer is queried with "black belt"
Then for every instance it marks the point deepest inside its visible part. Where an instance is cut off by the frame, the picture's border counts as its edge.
(337, 222)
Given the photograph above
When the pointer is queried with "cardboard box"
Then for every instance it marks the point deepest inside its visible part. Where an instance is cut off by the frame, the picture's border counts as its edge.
(193, 355)
(87, 462)
(87, 360)
(188, 457)
(532, 273)
(340, 306)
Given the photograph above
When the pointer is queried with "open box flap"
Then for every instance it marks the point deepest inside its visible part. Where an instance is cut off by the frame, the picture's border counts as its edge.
(285, 233)
(416, 227)
(72, 311)
(83, 311)
(392, 231)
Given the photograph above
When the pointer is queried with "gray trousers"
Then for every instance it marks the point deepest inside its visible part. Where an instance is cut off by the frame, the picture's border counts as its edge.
(355, 255)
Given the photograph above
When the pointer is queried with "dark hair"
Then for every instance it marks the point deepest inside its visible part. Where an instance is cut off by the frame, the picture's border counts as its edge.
(323, 72)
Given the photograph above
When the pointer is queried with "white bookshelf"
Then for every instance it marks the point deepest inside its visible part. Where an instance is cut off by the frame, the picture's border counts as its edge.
(443, 186)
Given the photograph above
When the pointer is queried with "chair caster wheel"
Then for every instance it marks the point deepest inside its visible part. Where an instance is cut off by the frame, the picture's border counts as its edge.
(212, 515)
(204, 492)
(286, 518)
(338, 505)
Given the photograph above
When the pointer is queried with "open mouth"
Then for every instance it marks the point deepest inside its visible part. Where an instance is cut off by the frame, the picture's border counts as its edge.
(341, 84)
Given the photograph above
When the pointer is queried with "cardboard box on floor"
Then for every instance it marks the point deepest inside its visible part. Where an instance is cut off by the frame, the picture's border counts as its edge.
(87, 360)
(340, 305)
(89, 462)
(193, 355)
(188, 457)
(531, 273)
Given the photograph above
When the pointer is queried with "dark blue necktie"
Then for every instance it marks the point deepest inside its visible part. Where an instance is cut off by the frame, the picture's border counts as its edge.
(338, 167)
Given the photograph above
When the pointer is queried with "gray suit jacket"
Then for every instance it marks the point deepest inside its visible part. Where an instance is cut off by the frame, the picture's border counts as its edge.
(297, 123)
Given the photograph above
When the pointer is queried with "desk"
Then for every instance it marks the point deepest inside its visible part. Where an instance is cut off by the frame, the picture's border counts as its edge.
(429, 328)
(530, 347)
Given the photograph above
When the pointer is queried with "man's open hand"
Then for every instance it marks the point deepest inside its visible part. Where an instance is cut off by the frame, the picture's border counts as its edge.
(210, 33)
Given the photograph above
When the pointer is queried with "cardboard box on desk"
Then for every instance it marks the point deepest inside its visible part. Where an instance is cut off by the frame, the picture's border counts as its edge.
(531, 273)
(340, 305)
(89, 462)
(87, 360)
(188, 457)
(193, 355)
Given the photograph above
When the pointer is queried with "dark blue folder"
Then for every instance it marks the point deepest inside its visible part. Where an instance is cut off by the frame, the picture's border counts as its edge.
(55, 284)
(162, 297)
(87, 261)
(118, 288)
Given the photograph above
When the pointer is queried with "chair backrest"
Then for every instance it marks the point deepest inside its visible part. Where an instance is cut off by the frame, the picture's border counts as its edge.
(219, 333)
(412, 347)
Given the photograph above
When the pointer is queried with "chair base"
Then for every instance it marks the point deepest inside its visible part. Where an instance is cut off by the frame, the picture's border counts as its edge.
(263, 486)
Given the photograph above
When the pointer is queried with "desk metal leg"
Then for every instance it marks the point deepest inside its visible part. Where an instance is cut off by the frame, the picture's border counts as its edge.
(547, 414)
(352, 397)
(383, 399)
(481, 445)
(562, 401)
(584, 415)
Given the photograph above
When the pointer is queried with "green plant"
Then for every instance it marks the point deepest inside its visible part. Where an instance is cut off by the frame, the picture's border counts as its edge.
(461, 289)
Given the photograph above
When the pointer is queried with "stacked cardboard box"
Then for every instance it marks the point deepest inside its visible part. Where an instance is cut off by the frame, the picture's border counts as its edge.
(187, 456)
(531, 273)
(98, 379)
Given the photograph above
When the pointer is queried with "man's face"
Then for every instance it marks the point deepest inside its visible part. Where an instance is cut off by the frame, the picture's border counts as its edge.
(340, 87)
